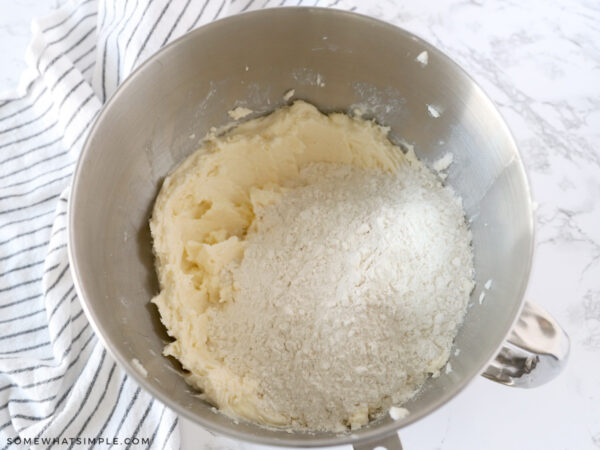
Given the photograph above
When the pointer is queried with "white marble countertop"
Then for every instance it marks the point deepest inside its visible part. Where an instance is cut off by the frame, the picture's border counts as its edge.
(540, 62)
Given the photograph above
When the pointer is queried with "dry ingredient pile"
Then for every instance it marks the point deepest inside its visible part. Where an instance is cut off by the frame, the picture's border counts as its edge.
(323, 289)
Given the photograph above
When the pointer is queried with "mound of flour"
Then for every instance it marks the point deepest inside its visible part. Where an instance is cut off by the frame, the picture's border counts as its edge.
(349, 294)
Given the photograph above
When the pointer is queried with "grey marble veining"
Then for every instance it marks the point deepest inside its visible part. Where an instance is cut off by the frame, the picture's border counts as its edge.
(539, 61)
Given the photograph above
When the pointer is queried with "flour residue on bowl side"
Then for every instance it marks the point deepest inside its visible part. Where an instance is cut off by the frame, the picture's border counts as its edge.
(377, 103)
(289, 94)
(308, 77)
(434, 111)
(139, 367)
(239, 112)
(423, 58)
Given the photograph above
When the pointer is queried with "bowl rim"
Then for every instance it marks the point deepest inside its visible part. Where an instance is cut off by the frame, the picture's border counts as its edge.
(368, 435)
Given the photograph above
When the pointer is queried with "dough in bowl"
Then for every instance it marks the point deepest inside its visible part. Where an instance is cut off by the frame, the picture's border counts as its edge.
(312, 274)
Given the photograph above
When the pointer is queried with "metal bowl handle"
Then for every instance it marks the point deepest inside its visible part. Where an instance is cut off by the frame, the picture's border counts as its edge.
(535, 352)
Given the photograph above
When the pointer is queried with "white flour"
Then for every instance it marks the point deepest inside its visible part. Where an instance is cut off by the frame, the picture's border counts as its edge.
(349, 293)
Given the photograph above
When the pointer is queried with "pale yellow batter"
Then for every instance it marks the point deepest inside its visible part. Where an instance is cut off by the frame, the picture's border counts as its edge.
(204, 210)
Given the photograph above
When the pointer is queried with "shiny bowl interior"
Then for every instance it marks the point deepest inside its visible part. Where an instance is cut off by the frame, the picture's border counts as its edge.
(336, 60)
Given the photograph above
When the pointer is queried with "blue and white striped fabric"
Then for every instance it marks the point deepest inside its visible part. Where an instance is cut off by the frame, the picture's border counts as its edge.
(57, 382)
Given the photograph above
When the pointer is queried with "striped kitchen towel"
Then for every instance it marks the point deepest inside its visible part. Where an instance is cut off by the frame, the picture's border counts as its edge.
(59, 388)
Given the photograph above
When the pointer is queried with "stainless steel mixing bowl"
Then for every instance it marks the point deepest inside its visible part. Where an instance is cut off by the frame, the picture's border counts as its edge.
(336, 60)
